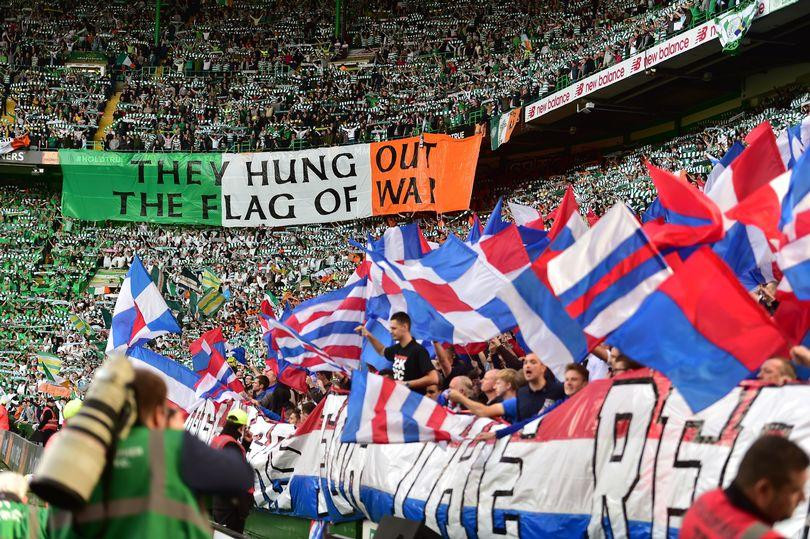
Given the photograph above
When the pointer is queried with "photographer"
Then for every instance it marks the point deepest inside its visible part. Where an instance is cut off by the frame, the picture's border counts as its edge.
(150, 486)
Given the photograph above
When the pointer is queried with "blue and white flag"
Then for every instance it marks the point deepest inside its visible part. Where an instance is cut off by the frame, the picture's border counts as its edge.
(140, 313)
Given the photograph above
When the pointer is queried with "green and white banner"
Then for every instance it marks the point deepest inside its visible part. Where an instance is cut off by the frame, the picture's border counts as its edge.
(177, 188)
(319, 185)
(731, 27)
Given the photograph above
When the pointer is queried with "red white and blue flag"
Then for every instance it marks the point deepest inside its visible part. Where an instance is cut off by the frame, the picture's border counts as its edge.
(793, 142)
(702, 330)
(545, 327)
(140, 313)
(603, 278)
(181, 382)
(721, 164)
(568, 225)
(745, 248)
(381, 411)
(449, 294)
(294, 348)
(526, 216)
(685, 215)
(290, 375)
(319, 333)
(781, 207)
(208, 357)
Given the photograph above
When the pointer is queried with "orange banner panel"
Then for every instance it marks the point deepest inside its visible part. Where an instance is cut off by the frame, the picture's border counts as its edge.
(436, 174)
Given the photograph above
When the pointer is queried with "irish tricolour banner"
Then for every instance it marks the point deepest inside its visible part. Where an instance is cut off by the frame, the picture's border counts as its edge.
(501, 127)
(430, 173)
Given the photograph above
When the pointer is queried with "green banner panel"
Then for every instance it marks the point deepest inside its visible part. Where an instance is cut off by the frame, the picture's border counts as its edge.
(173, 188)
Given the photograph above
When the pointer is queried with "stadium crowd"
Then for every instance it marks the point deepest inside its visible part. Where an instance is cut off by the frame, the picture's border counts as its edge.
(58, 277)
(241, 77)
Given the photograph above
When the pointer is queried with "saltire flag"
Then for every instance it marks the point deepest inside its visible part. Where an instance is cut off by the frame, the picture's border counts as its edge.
(405, 242)
(526, 216)
(49, 365)
(721, 164)
(140, 313)
(685, 216)
(79, 324)
(545, 327)
(210, 302)
(758, 164)
(502, 127)
(208, 356)
(296, 349)
(8, 145)
(702, 330)
(745, 248)
(381, 411)
(603, 278)
(290, 375)
(449, 294)
(793, 141)
(180, 380)
(475, 230)
(209, 279)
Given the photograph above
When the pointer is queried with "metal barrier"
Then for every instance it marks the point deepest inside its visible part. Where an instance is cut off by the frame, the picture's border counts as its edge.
(19, 454)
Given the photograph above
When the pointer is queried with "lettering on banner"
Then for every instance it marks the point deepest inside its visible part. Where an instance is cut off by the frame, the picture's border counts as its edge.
(158, 175)
(625, 418)
(409, 479)
(698, 452)
(334, 456)
(401, 174)
(281, 188)
(499, 478)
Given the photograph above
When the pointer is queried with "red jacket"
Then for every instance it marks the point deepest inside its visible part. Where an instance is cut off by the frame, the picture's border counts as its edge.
(714, 516)
(3, 418)
(219, 442)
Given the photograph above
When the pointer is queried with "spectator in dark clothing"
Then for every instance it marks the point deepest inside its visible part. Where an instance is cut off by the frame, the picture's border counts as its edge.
(232, 511)
(450, 364)
(412, 365)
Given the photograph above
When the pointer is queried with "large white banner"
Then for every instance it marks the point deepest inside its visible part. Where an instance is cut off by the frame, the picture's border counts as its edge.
(427, 173)
(310, 186)
(622, 458)
(637, 63)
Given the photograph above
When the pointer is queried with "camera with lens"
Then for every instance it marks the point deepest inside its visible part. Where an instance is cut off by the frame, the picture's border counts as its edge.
(74, 461)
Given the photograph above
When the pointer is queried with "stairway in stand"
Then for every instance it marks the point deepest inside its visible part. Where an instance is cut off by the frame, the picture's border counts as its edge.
(107, 118)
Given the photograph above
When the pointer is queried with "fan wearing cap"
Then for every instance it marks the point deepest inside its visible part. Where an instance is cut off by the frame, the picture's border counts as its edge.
(17, 519)
(232, 511)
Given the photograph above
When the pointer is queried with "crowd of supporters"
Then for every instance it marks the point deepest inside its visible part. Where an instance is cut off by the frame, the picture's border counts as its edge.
(58, 277)
(269, 74)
